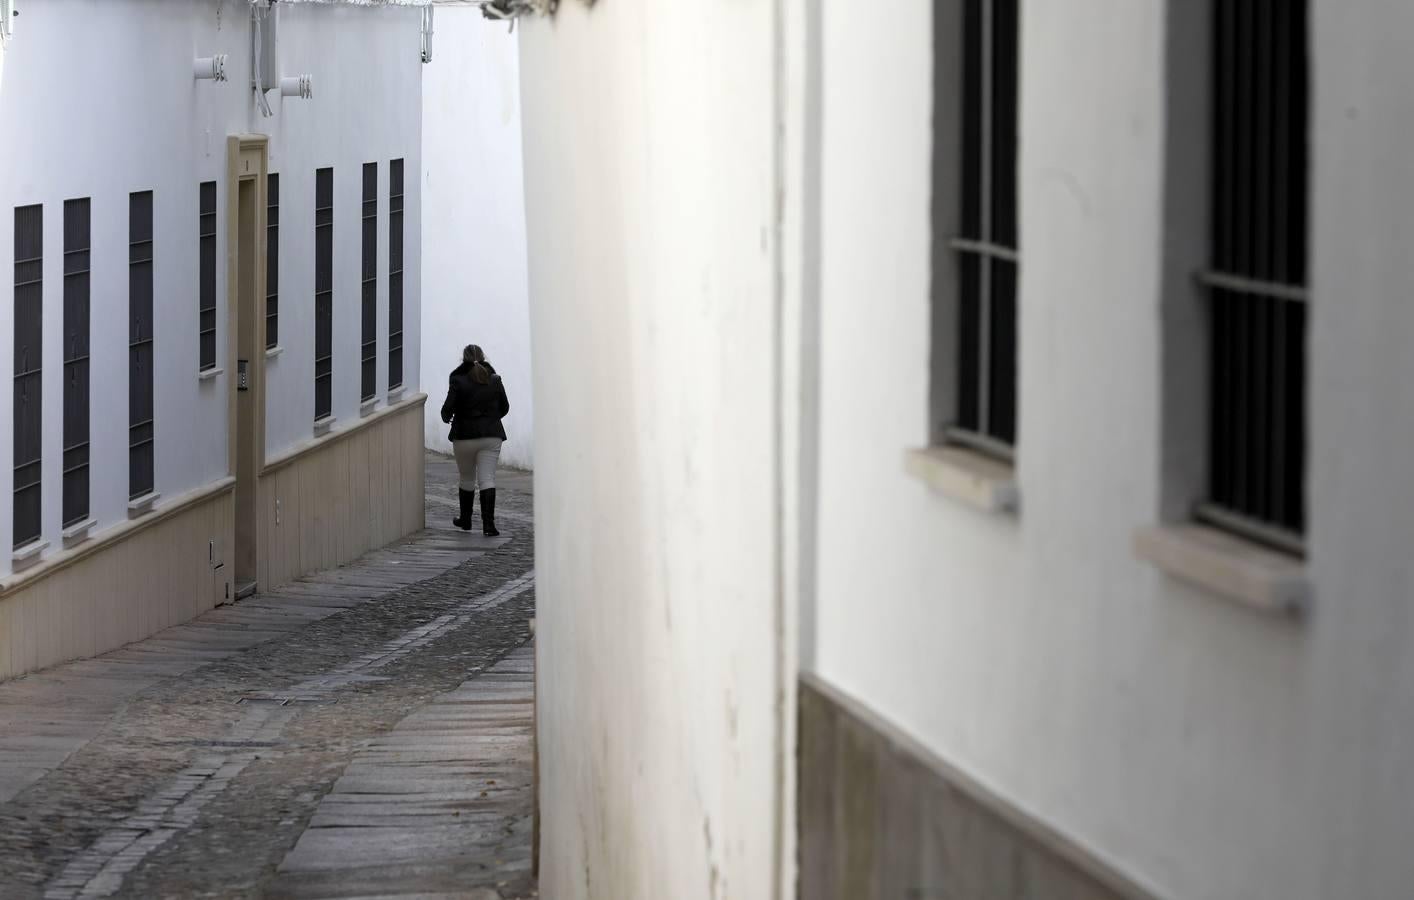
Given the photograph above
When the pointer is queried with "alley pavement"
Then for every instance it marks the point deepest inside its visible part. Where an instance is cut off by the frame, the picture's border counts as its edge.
(363, 732)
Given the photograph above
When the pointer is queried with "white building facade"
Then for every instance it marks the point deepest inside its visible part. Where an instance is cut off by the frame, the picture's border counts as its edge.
(474, 259)
(213, 323)
(978, 538)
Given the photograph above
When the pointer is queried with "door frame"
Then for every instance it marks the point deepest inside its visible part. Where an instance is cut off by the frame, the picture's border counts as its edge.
(247, 159)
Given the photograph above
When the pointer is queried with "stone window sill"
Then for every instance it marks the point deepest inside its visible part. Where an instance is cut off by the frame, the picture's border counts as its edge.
(209, 374)
(967, 476)
(78, 532)
(141, 506)
(367, 407)
(272, 352)
(324, 426)
(1228, 566)
(29, 553)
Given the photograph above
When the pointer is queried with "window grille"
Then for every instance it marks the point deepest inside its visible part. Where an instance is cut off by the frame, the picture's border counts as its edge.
(272, 262)
(395, 274)
(987, 250)
(369, 359)
(76, 367)
(207, 302)
(1257, 284)
(323, 294)
(141, 433)
(29, 333)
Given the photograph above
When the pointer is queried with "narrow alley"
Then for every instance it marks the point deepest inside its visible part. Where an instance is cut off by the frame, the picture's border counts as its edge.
(363, 729)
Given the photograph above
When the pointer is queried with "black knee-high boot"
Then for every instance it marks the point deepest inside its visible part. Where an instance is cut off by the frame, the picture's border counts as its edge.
(468, 501)
(488, 512)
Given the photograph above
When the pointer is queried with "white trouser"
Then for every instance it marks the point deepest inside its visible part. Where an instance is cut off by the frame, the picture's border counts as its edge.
(476, 462)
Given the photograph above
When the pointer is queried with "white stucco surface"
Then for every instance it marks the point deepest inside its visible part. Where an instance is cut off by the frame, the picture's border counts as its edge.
(650, 207)
(99, 102)
(1207, 751)
(474, 258)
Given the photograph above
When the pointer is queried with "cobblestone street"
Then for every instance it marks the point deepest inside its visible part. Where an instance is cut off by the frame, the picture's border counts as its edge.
(363, 732)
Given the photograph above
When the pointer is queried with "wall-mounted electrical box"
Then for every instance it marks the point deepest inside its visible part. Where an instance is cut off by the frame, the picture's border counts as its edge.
(265, 34)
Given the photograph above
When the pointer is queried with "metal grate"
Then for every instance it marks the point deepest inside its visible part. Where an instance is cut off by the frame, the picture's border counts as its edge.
(272, 262)
(207, 304)
(1257, 285)
(29, 334)
(987, 249)
(323, 293)
(369, 345)
(141, 432)
(395, 274)
(77, 245)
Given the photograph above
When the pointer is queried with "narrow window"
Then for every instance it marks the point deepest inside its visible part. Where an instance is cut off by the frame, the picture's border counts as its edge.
(207, 237)
(369, 380)
(987, 250)
(395, 274)
(1257, 283)
(29, 318)
(76, 379)
(140, 356)
(323, 294)
(272, 262)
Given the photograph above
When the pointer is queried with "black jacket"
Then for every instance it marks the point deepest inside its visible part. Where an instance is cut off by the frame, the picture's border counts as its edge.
(475, 410)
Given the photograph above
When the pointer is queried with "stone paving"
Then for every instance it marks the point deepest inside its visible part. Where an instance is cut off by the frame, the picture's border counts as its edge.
(364, 731)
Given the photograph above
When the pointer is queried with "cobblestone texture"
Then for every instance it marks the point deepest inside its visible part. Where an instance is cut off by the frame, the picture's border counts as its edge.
(200, 785)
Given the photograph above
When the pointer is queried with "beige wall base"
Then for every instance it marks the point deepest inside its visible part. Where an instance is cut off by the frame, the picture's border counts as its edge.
(333, 499)
(324, 504)
(120, 586)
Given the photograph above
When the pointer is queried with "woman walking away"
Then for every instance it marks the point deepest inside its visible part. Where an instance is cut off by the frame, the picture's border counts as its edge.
(476, 403)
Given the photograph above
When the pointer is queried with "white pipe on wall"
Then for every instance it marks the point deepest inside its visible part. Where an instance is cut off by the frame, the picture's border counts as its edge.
(301, 86)
(210, 67)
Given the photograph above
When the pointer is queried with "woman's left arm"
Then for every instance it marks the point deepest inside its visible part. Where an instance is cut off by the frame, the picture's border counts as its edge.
(449, 406)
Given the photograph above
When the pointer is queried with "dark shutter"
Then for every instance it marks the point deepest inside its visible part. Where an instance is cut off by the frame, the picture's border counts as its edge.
(1257, 284)
(76, 366)
(323, 293)
(988, 264)
(206, 232)
(369, 358)
(29, 333)
(141, 435)
(395, 274)
(272, 262)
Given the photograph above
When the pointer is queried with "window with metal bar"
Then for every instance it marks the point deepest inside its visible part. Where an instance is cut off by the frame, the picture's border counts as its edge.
(76, 378)
(987, 248)
(323, 294)
(272, 262)
(207, 303)
(369, 358)
(141, 434)
(395, 274)
(29, 333)
(1257, 283)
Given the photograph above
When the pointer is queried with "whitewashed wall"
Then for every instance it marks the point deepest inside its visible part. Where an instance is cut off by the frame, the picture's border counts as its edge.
(99, 102)
(651, 210)
(474, 261)
(1208, 751)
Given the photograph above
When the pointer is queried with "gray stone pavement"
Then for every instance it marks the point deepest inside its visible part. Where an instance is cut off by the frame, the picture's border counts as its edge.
(335, 738)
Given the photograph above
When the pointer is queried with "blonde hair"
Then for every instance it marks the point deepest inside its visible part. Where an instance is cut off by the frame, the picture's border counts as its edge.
(474, 355)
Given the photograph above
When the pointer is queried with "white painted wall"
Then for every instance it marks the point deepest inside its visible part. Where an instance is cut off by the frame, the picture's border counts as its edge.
(474, 262)
(650, 199)
(100, 101)
(1208, 751)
